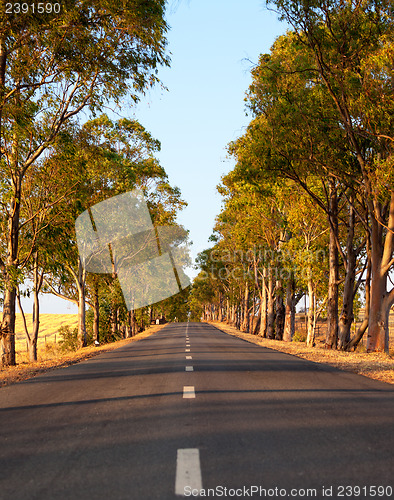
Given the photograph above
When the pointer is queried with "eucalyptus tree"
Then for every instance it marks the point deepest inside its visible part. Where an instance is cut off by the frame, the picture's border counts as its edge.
(53, 65)
(284, 94)
(44, 199)
(287, 91)
(112, 157)
(351, 44)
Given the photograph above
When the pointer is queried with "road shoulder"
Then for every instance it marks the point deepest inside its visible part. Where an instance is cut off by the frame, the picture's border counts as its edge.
(377, 366)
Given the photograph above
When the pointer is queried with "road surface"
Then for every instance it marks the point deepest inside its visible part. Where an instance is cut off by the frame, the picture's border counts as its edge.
(191, 410)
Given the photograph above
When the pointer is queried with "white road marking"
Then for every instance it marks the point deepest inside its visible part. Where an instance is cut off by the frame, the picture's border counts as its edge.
(187, 350)
(189, 369)
(188, 392)
(188, 470)
(189, 357)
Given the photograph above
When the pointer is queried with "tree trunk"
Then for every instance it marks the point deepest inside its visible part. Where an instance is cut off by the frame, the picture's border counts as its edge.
(8, 328)
(81, 305)
(332, 303)
(133, 324)
(310, 339)
(289, 327)
(280, 312)
(114, 320)
(263, 309)
(9, 273)
(271, 308)
(347, 317)
(220, 311)
(38, 279)
(32, 341)
(364, 325)
(381, 300)
(245, 310)
(96, 312)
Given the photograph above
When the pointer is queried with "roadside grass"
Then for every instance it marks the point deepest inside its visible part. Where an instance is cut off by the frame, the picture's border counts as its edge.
(51, 357)
(378, 366)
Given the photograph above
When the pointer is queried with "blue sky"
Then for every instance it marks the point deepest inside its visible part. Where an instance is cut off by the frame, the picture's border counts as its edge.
(213, 45)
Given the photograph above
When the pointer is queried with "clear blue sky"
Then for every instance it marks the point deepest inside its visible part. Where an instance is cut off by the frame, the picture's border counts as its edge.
(213, 45)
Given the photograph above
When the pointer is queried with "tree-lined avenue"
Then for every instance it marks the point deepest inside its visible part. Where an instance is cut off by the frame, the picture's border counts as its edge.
(111, 427)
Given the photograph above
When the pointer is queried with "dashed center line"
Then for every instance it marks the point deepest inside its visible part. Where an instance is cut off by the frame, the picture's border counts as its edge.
(188, 470)
(188, 392)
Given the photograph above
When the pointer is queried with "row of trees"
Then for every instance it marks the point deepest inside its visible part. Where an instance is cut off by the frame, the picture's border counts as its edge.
(55, 68)
(309, 206)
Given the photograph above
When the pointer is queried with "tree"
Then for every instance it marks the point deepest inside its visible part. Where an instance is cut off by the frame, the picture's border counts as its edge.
(111, 158)
(351, 43)
(52, 67)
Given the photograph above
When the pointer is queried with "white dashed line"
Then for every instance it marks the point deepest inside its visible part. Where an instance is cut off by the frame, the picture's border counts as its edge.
(188, 392)
(188, 470)
(189, 369)
(189, 357)
(187, 350)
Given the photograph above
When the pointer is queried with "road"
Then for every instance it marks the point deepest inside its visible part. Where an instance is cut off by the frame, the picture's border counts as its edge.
(192, 407)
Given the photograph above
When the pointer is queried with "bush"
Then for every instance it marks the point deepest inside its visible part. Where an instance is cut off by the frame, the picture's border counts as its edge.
(70, 341)
(299, 337)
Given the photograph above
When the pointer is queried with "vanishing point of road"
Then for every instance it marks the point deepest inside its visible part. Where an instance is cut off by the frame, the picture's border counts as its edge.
(193, 411)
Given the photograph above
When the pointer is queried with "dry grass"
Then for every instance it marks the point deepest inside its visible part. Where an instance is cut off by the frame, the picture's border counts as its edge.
(378, 366)
(51, 357)
(49, 327)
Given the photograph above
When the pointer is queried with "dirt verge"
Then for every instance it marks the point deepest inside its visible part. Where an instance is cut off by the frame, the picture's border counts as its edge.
(378, 366)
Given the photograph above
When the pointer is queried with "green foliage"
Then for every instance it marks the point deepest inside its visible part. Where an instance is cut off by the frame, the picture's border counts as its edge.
(57, 64)
(69, 339)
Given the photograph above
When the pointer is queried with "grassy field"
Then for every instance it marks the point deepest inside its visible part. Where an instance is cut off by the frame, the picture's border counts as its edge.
(50, 356)
(49, 329)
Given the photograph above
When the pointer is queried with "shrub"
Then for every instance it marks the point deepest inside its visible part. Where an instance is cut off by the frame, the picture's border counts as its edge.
(70, 341)
(299, 337)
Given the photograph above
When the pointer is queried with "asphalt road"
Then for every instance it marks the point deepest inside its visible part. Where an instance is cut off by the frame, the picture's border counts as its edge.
(157, 418)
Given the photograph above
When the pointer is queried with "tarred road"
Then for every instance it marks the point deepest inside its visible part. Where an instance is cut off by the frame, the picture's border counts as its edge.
(112, 427)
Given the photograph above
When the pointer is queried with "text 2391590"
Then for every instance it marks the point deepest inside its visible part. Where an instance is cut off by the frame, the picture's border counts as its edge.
(32, 8)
